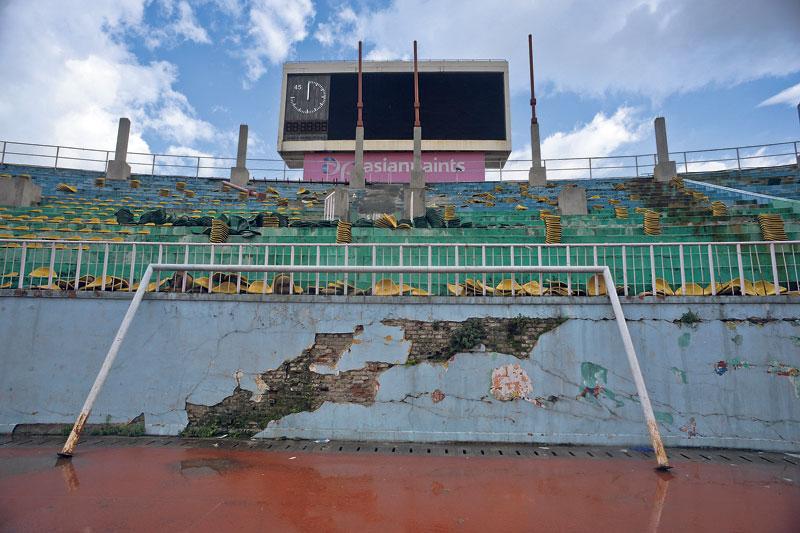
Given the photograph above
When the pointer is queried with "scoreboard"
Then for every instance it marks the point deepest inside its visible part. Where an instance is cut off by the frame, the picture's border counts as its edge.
(464, 107)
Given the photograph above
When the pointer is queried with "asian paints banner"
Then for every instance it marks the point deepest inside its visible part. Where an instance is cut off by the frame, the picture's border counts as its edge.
(395, 167)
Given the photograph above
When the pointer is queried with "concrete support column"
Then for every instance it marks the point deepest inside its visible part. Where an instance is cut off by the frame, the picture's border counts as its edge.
(19, 191)
(341, 204)
(413, 202)
(572, 200)
(239, 174)
(417, 174)
(537, 176)
(665, 169)
(357, 180)
(118, 168)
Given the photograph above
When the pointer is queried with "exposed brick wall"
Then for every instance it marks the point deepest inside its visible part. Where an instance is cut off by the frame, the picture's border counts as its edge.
(293, 387)
(433, 341)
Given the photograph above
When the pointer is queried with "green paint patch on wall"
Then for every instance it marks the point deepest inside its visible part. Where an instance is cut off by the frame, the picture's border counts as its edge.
(593, 374)
(737, 340)
(664, 418)
(680, 374)
(684, 340)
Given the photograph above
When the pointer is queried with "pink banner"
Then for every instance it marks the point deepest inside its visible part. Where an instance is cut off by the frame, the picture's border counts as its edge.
(395, 167)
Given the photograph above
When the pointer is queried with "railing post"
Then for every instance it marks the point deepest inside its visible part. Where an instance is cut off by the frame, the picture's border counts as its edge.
(52, 264)
(483, 264)
(637, 165)
(105, 268)
(685, 164)
(590, 171)
(513, 276)
(741, 267)
(711, 275)
(131, 273)
(624, 271)
(430, 264)
(738, 160)
(153, 169)
(197, 170)
(22, 260)
(78, 266)
(239, 277)
(653, 268)
(3, 157)
(400, 263)
(55, 164)
(683, 271)
(774, 263)
(316, 274)
(185, 273)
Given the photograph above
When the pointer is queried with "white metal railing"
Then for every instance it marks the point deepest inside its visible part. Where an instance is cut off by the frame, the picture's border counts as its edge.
(685, 268)
(662, 461)
(634, 165)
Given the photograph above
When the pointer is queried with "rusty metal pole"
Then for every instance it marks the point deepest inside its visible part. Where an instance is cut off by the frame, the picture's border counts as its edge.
(360, 104)
(80, 422)
(533, 92)
(416, 89)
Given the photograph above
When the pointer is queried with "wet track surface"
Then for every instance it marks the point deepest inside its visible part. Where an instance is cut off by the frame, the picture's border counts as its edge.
(150, 484)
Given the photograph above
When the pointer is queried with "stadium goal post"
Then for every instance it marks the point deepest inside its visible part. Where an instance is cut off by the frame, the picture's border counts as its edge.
(641, 389)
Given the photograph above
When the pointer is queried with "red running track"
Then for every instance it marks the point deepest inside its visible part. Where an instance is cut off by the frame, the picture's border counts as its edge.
(193, 489)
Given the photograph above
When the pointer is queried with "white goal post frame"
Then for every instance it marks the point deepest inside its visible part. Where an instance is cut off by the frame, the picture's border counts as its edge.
(641, 389)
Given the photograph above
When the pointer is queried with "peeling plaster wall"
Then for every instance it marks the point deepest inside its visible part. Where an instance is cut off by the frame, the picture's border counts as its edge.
(729, 380)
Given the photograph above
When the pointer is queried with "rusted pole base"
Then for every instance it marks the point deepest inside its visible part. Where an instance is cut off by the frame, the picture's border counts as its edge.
(74, 435)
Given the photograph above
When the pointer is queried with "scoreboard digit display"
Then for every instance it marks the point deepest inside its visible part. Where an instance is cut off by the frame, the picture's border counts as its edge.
(307, 105)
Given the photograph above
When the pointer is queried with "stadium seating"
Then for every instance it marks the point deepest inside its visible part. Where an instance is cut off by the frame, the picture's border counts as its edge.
(81, 206)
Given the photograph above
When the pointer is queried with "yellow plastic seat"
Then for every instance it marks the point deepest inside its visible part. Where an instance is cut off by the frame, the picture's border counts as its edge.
(385, 287)
(532, 288)
(509, 287)
(765, 288)
(455, 289)
(691, 289)
(259, 287)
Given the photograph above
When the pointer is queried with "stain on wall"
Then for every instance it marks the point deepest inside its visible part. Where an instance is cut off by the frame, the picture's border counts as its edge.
(510, 382)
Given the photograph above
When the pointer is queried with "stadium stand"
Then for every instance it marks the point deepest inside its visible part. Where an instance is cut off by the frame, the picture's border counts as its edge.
(97, 234)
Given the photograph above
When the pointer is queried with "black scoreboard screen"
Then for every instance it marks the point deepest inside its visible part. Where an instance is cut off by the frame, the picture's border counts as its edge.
(453, 106)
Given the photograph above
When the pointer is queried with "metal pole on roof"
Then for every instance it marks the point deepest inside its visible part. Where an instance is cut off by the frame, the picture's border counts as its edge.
(360, 104)
(530, 65)
(416, 89)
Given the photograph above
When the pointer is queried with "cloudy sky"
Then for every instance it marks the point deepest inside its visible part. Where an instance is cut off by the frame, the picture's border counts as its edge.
(723, 72)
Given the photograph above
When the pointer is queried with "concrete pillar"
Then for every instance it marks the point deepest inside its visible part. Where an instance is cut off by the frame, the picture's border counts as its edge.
(413, 202)
(341, 204)
(665, 169)
(572, 200)
(357, 180)
(118, 168)
(537, 176)
(417, 174)
(239, 174)
(19, 191)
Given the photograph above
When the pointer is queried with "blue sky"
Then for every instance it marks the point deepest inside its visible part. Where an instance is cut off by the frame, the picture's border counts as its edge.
(724, 73)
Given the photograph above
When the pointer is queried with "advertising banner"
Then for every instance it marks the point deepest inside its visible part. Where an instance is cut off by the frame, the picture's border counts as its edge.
(395, 167)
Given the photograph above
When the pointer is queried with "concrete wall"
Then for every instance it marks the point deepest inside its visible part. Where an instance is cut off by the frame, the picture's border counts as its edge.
(396, 370)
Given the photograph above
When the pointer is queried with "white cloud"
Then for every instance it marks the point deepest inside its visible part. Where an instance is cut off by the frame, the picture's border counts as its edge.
(68, 77)
(603, 136)
(182, 25)
(274, 27)
(790, 97)
(649, 47)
